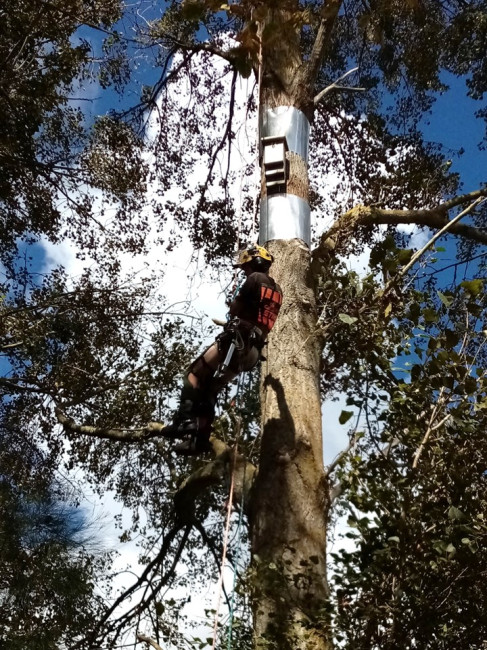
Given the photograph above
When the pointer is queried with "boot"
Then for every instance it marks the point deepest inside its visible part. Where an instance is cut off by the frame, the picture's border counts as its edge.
(180, 428)
(198, 442)
(185, 421)
(193, 445)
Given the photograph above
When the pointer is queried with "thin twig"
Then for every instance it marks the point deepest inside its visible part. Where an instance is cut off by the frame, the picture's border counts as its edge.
(438, 234)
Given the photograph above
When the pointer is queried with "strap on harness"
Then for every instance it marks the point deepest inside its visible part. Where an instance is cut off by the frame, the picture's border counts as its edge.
(223, 367)
(235, 344)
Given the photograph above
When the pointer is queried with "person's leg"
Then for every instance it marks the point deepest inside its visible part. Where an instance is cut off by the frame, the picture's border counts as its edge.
(197, 403)
(199, 395)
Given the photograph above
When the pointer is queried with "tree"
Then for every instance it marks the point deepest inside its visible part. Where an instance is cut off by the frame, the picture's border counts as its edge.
(49, 572)
(50, 154)
(335, 332)
(53, 158)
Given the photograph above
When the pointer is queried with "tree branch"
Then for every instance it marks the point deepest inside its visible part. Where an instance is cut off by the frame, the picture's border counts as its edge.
(227, 135)
(212, 473)
(209, 474)
(446, 228)
(152, 430)
(426, 436)
(153, 565)
(145, 639)
(195, 48)
(309, 73)
(344, 228)
(13, 386)
(335, 86)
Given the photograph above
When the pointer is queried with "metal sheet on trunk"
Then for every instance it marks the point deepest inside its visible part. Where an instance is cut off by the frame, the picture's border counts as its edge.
(284, 216)
(289, 122)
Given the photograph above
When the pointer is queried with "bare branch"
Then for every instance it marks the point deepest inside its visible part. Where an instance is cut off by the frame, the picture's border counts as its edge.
(13, 386)
(9, 346)
(331, 467)
(309, 72)
(195, 48)
(335, 86)
(446, 228)
(153, 566)
(145, 639)
(152, 430)
(436, 408)
(426, 436)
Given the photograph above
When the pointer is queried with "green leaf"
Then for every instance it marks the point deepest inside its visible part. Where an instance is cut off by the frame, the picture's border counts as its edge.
(447, 381)
(451, 338)
(470, 385)
(159, 608)
(446, 300)
(241, 61)
(473, 287)
(193, 11)
(430, 315)
(404, 255)
(345, 416)
(349, 320)
(455, 513)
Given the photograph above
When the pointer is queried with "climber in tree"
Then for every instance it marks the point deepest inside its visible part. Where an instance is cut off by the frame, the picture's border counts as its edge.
(252, 314)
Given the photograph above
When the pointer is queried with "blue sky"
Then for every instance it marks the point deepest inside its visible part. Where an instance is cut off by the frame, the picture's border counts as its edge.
(453, 124)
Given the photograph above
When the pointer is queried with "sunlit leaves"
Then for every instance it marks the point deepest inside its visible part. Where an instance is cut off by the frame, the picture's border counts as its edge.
(418, 511)
(473, 287)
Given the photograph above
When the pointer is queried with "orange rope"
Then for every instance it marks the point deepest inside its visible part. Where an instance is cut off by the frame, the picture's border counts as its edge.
(224, 553)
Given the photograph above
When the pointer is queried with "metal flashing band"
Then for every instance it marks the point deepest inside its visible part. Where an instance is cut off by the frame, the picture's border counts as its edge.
(289, 122)
(284, 216)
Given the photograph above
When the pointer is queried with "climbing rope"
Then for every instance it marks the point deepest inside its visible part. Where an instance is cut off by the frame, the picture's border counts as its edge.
(224, 555)
(226, 535)
(236, 287)
(231, 612)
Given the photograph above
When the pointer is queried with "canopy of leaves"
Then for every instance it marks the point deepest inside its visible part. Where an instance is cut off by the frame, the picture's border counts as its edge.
(99, 351)
(414, 486)
(49, 563)
(44, 67)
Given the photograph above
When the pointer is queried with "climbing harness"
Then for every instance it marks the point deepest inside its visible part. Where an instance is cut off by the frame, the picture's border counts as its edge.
(223, 367)
(236, 343)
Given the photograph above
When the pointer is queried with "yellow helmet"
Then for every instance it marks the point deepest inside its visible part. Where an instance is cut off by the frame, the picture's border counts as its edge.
(254, 253)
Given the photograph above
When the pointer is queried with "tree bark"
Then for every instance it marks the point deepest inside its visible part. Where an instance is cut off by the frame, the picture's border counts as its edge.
(289, 506)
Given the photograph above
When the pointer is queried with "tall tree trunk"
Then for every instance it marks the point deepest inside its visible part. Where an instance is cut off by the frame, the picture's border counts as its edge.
(289, 505)
(289, 508)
